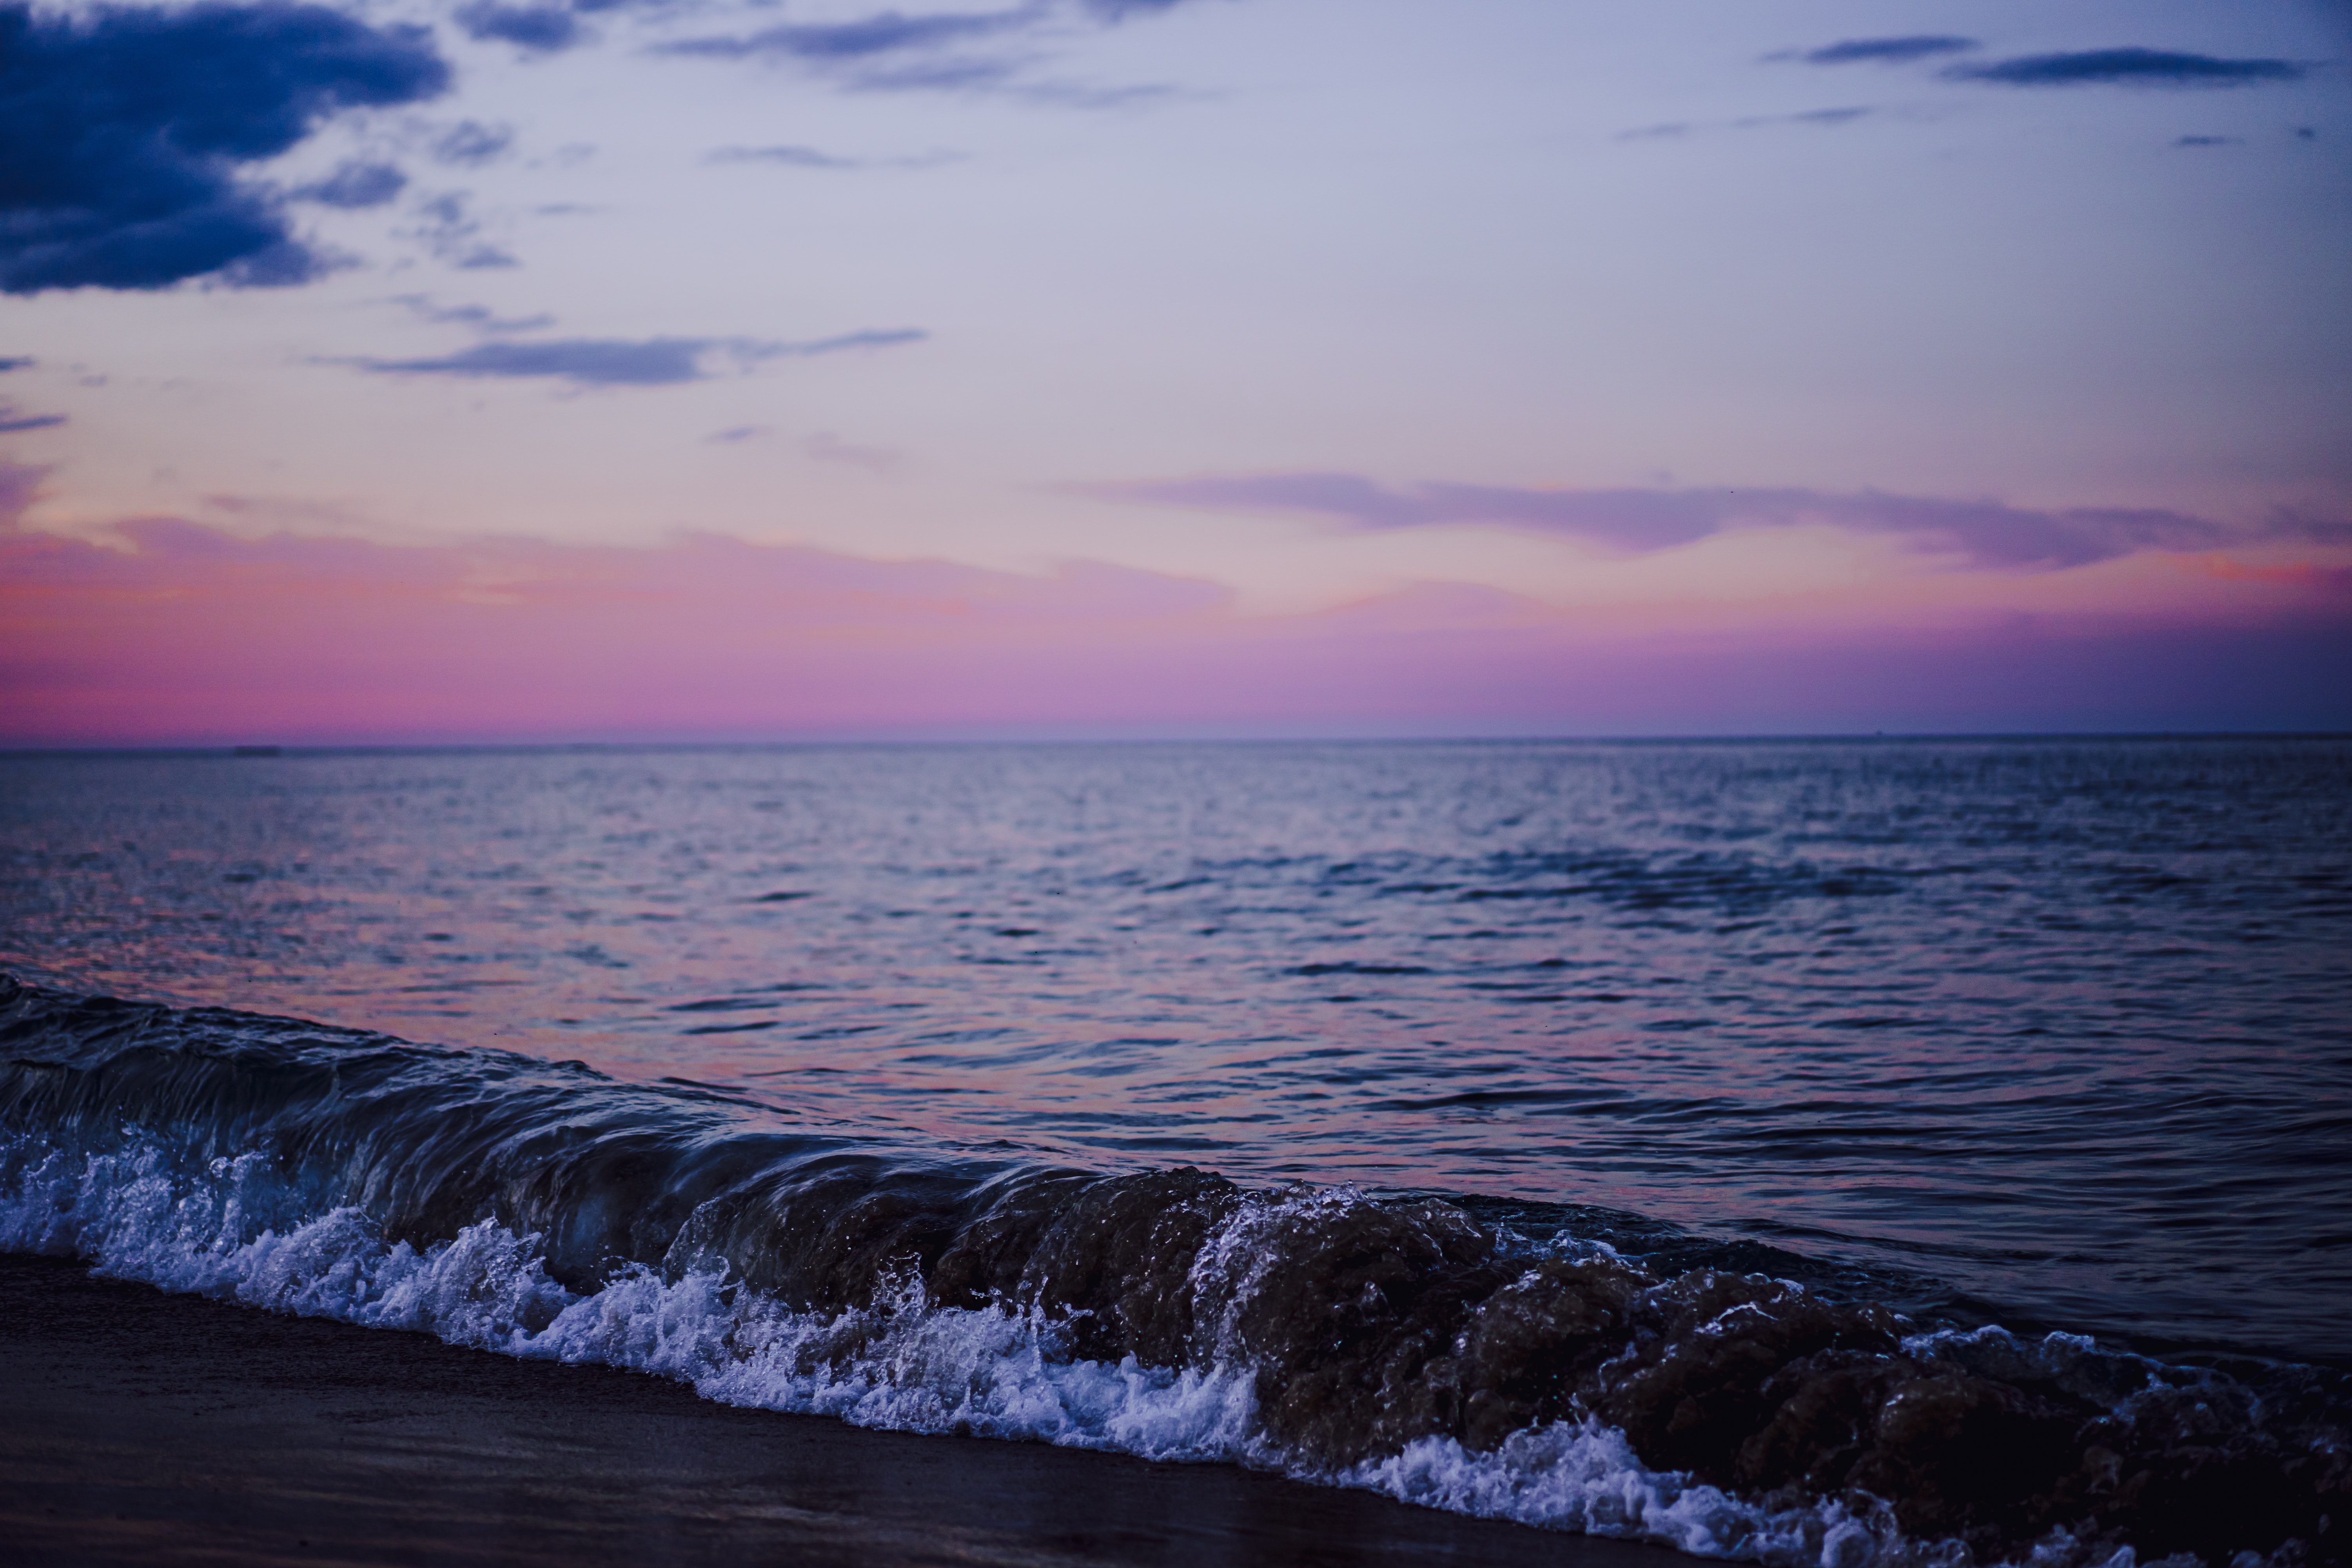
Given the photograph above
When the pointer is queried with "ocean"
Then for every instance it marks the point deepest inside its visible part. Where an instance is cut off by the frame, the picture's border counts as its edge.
(1841, 1152)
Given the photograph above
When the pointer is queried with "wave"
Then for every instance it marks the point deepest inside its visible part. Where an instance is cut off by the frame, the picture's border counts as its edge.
(1398, 1344)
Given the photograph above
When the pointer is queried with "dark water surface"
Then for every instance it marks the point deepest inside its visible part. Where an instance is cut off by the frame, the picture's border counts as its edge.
(1729, 1145)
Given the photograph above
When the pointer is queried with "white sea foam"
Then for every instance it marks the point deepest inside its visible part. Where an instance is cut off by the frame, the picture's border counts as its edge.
(234, 1228)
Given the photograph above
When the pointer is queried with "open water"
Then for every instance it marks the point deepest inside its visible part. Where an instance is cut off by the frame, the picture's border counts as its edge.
(1832, 1151)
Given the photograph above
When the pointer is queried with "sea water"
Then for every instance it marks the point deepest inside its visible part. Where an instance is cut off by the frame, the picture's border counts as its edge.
(1443, 1118)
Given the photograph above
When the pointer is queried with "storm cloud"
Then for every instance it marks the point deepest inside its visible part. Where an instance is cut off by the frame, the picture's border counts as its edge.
(127, 128)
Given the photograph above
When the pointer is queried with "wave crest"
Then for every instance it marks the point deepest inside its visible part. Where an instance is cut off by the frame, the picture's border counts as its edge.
(1394, 1344)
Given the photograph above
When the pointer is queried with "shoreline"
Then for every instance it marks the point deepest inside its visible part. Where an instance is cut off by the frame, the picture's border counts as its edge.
(149, 1429)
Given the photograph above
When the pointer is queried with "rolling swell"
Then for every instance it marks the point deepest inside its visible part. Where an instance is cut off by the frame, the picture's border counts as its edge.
(543, 1209)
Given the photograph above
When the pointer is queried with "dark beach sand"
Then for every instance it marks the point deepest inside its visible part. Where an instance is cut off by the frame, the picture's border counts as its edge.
(140, 1427)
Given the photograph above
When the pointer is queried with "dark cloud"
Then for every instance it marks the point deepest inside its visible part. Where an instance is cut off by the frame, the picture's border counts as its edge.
(1885, 51)
(470, 143)
(126, 127)
(869, 37)
(617, 361)
(16, 362)
(541, 29)
(2153, 67)
(356, 185)
(2207, 142)
(1637, 521)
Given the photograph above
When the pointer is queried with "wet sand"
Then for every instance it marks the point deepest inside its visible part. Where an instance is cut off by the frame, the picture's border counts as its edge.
(140, 1427)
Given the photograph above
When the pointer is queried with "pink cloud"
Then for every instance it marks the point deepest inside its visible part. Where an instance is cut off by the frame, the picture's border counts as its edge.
(193, 635)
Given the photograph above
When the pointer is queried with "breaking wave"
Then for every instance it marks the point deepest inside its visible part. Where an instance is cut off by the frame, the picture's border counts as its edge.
(1393, 1344)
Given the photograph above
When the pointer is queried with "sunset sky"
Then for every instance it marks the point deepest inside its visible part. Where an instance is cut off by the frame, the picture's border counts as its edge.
(695, 370)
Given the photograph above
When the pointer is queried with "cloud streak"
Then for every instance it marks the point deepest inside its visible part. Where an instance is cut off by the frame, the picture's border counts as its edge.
(354, 186)
(1983, 533)
(1821, 118)
(1120, 10)
(538, 29)
(789, 157)
(481, 318)
(896, 51)
(794, 157)
(469, 143)
(581, 361)
(12, 420)
(885, 33)
(1884, 51)
(620, 362)
(451, 232)
(2129, 67)
(889, 339)
(126, 129)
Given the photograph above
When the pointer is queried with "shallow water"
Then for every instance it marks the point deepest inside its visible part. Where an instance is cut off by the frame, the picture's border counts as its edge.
(2064, 1026)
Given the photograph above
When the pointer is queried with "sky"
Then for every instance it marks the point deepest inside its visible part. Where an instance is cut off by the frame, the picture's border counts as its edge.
(646, 370)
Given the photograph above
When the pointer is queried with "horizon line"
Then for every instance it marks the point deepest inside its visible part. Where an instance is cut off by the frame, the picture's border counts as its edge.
(264, 751)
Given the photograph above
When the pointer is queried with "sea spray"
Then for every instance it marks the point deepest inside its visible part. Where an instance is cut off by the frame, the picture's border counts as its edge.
(900, 1363)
